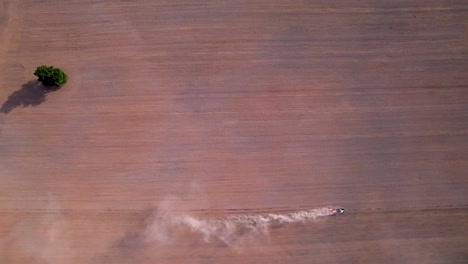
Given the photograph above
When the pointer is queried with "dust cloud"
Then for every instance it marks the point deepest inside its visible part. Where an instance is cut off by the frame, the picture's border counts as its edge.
(39, 239)
(53, 234)
(232, 230)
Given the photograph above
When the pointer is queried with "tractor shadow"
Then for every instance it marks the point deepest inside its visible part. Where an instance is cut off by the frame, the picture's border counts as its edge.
(32, 93)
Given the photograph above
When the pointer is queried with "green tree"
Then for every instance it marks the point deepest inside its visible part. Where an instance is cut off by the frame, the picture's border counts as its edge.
(50, 76)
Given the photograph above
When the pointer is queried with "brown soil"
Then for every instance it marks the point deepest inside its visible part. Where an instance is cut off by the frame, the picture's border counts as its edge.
(218, 108)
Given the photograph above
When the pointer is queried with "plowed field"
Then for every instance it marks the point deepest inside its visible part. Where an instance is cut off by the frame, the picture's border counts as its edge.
(224, 131)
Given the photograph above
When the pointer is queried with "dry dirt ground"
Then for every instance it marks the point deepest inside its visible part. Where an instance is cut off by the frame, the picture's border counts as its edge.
(180, 116)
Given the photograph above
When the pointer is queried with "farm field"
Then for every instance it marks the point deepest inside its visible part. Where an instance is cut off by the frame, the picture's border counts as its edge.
(223, 131)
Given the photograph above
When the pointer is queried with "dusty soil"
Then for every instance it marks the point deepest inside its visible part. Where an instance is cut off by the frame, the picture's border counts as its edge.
(180, 116)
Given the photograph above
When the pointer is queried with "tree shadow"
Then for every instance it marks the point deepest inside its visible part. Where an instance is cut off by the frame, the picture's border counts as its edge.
(32, 93)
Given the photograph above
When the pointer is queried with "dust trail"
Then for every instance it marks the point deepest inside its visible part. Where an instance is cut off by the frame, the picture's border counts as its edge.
(235, 229)
(232, 230)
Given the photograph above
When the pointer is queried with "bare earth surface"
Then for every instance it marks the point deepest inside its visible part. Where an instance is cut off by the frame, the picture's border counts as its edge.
(219, 132)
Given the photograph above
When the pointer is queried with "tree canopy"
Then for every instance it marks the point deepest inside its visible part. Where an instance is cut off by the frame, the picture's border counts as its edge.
(50, 76)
